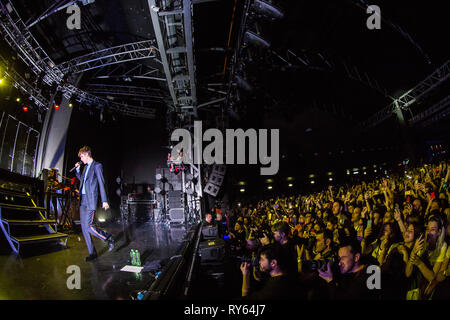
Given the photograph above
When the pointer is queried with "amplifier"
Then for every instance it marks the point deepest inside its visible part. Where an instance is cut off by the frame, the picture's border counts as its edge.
(140, 210)
(210, 232)
(212, 250)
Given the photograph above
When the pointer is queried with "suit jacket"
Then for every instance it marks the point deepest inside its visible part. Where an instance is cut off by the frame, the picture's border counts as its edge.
(94, 183)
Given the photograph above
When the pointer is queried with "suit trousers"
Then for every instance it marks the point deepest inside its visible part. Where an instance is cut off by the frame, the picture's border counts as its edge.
(88, 227)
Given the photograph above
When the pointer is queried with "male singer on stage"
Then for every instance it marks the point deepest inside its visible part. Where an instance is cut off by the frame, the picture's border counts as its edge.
(91, 182)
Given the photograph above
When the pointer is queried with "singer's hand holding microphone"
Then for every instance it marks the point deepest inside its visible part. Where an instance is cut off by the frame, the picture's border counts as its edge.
(77, 166)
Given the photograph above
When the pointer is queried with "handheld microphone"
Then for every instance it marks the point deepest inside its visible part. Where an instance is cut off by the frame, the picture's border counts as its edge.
(74, 167)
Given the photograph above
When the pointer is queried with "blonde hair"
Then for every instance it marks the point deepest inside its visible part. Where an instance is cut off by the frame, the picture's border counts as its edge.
(86, 150)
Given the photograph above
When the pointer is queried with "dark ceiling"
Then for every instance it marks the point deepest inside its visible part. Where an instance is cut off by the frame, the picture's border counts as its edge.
(351, 72)
(335, 30)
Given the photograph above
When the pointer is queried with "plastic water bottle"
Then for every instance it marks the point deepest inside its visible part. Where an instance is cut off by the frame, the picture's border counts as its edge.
(138, 258)
(141, 294)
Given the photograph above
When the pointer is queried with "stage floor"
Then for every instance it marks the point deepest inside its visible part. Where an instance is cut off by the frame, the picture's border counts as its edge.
(40, 271)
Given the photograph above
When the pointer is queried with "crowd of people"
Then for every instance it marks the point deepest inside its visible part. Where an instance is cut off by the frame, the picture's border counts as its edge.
(381, 239)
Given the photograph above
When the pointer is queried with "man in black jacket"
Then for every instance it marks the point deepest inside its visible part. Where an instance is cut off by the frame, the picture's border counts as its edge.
(353, 282)
(279, 285)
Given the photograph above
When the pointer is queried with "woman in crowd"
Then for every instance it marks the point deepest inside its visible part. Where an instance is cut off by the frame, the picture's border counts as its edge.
(386, 216)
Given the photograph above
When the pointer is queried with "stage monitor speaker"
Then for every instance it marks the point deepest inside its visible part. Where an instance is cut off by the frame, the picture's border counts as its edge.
(176, 215)
(140, 212)
(212, 250)
(210, 232)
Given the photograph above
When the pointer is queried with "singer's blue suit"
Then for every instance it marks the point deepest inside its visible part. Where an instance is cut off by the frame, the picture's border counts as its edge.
(89, 189)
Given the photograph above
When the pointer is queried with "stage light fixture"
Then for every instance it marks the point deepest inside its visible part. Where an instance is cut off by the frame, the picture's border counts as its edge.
(267, 10)
(58, 98)
(269, 187)
(17, 99)
(242, 190)
(56, 106)
(290, 185)
(242, 83)
(255, 40)
(25, 108)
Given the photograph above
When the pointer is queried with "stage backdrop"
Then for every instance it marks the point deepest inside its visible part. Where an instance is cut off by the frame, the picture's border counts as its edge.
(131, 146)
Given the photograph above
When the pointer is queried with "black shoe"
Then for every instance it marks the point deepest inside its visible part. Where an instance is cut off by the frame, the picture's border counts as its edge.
(91, 257)
(110, 244)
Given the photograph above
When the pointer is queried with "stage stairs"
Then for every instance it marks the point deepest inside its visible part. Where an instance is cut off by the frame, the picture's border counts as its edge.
(23, 222)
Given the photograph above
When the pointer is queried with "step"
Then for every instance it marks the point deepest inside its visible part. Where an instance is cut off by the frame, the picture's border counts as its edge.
(29, 222)
(18, 207)
(13, 193)
(40, 238)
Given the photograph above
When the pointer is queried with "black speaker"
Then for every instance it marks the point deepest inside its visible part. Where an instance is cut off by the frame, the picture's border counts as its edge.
(212, 250)
(215, 180)
(210, 232)
(176, 215)
(175, 199)
(175, 206)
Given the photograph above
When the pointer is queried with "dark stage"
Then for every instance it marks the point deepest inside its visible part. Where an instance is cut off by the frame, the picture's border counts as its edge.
(40, 271)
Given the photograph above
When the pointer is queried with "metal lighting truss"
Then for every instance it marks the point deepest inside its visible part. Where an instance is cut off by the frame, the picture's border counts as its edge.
(130, 92)
(127, 73)
(24, 86)
(436, 117)
(17, 35)
(58, 6)
(119, 54)
(364, 5)
(172, 24)
(90, 99)
(315, 60)
(439, 76)
(430, 111)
